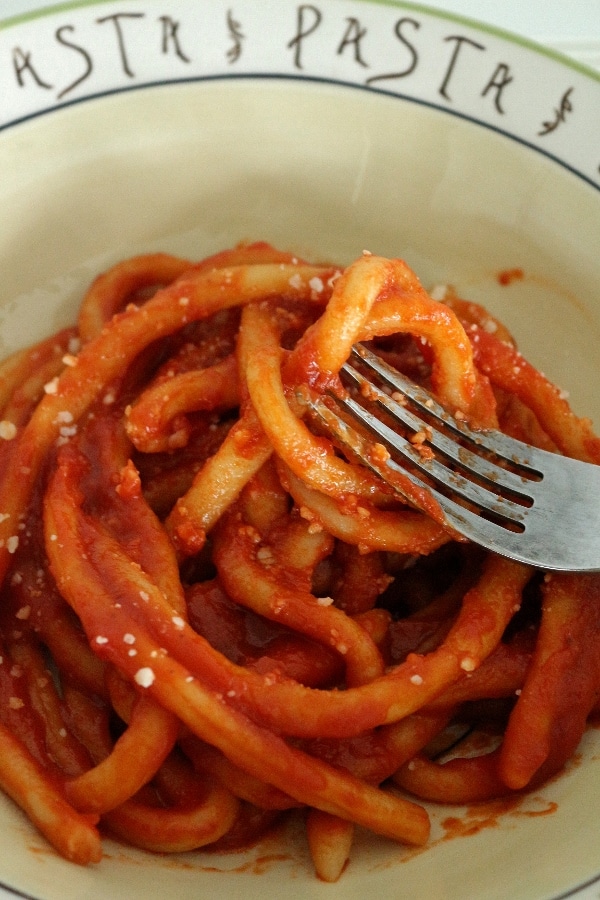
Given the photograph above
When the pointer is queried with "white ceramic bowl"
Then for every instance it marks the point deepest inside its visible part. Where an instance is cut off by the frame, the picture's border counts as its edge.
(339, 126)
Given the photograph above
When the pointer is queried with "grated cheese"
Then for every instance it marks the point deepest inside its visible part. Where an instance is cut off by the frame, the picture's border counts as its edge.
(145, 677)
(8, 430)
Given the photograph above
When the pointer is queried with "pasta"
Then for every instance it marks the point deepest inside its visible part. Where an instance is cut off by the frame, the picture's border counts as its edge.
(211, 618)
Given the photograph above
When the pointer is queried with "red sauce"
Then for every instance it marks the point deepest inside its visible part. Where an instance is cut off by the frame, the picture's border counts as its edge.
(490, 815)
(507, 276)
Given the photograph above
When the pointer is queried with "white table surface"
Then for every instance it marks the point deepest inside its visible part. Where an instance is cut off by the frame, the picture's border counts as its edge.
(569, 26)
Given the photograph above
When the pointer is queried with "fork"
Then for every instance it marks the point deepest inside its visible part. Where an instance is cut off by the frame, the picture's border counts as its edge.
(527, 504)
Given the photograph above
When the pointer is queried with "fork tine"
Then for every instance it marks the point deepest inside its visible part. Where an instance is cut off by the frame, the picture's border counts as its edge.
(502, 509)
(499, 446)
(463, 521)
(464, 459)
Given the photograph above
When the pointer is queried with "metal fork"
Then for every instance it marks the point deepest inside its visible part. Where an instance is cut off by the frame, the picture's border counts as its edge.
(521, 502)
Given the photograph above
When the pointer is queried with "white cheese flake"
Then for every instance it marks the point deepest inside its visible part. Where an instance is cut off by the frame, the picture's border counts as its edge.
(438, 291)
(65, 417)
(145, 677)
(8, 430)
(265, 556)
(51, 387)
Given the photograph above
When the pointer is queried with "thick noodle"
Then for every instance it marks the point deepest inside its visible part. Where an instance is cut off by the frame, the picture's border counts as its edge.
(211, 618)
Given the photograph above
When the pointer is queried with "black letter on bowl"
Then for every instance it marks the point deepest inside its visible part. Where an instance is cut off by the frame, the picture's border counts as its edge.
(454, 59)
(116, 18)
(22, 63)
(354, 34)
(414, 56)
(302, 31)
(499, 80)
(170, 35)
(86, 56)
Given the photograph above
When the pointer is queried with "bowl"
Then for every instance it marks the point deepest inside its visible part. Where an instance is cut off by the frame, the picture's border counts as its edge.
(325, 129)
